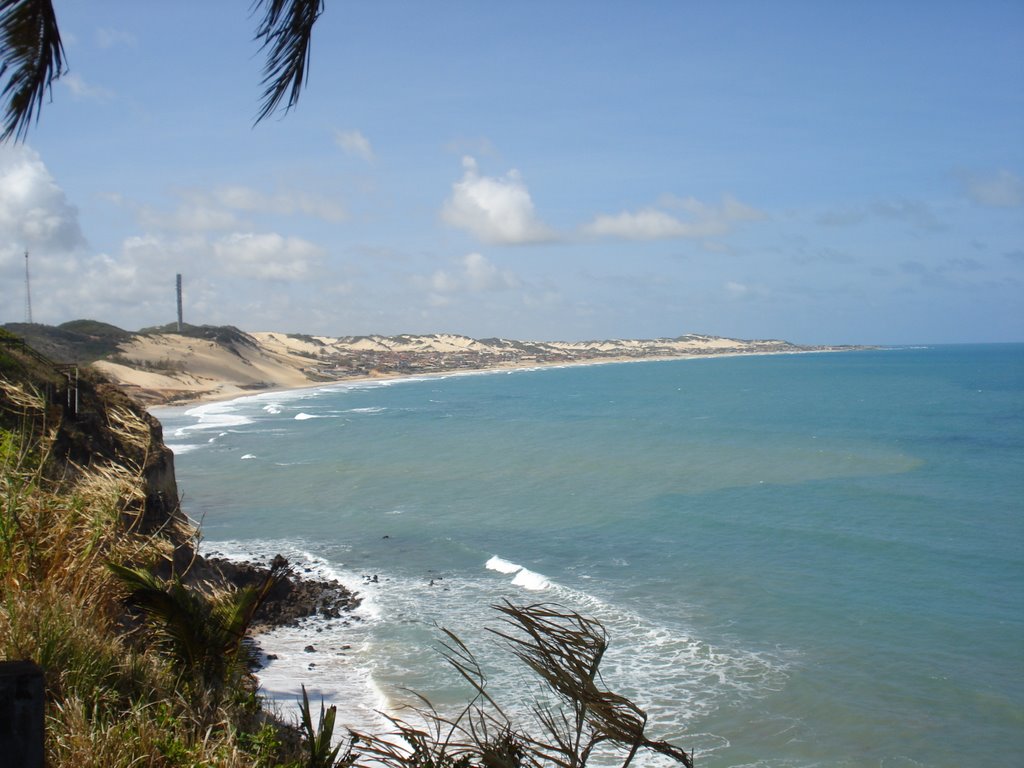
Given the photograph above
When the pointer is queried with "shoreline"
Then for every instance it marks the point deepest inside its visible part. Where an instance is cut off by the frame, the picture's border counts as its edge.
(208, 363)
(306, 640)
(222, 395)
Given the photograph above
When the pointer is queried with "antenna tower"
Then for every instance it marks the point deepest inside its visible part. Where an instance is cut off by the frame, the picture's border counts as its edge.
(179, 302)
(28, 294)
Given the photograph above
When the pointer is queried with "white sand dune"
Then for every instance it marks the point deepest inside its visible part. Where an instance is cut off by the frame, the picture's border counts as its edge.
(161, 368)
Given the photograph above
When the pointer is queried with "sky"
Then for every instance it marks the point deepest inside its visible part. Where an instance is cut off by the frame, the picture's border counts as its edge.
(820, 172)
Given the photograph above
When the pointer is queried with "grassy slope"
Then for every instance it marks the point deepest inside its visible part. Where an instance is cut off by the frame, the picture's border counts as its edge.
(114, 698)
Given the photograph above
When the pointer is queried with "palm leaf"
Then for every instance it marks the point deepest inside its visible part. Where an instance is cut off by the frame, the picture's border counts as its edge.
(285, 34)
(204, 634)
(33, 57)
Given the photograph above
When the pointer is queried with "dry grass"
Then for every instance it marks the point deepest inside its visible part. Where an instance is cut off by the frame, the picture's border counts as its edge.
(112, 698)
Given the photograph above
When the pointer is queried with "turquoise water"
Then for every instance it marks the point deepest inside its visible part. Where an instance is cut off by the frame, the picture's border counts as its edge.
(801, 560)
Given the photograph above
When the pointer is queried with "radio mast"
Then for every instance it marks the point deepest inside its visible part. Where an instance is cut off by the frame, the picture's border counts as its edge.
(28, 294)
(179, 302)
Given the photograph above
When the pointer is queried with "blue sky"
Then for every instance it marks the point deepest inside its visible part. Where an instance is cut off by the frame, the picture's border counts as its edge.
(821, 172)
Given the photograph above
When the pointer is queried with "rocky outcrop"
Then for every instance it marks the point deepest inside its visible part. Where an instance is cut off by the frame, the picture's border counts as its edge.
(292, 598)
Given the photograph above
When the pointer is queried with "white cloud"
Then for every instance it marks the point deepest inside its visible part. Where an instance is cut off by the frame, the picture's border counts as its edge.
(285, 203)
(482, 275)
(474, 274)
(496, 210)
(111, 38)
(34, 212)
(736, 290)
(355, 144)
(217, 209)
(83, 91)
(266, 256)
(654, 223)
(1001, 189)
(647, 224)
(189, 216)
(743, 291)
(912, 212)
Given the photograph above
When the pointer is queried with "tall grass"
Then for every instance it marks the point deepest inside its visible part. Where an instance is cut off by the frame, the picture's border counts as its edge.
(114, 698)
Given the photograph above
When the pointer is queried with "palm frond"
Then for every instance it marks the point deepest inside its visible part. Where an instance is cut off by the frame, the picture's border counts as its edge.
(181, 615)
(285, 34)
(565, 650)
(32, 58)
(204, 634)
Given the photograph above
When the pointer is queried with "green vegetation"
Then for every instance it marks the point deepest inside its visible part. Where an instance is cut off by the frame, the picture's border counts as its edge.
(164, 365)
(97, 329)
(78, 341)
(116, 694)
(223, 334)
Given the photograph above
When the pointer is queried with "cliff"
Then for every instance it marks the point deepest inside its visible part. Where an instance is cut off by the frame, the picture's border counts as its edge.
(90, 529)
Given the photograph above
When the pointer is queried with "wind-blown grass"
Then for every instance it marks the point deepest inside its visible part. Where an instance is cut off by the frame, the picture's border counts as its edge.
(114, 697)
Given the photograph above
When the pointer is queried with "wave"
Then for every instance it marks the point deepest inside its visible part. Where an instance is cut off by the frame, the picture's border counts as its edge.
(528, 579)
(333, 658)
(213, 416)
(658, 663)
(179, 448)
(524, 577)
(502, 566)
(367, 664)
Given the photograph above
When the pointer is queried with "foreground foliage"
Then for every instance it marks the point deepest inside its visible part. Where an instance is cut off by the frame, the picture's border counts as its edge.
(144, 670)
(33, 56)
(115, 696)
(576, 721)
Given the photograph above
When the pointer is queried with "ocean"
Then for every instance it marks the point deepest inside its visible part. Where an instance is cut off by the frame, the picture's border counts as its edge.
(800, 560)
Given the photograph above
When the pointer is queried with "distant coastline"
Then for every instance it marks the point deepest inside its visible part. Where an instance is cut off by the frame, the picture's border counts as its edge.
(162, 366)
(171, 369)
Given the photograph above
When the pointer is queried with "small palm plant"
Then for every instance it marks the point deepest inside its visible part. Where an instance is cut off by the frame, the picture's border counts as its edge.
(319, 741)
(203, 634)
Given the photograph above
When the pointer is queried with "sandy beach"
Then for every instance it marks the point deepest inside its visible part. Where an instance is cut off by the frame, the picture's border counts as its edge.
(165, 369)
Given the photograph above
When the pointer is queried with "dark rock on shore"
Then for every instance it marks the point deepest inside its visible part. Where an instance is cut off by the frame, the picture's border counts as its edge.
(293, 598)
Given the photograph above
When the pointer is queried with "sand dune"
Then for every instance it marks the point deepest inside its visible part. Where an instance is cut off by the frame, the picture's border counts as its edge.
(162, 368)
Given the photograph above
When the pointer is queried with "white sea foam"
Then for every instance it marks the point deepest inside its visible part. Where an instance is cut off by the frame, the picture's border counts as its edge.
(656, 662)
(214, 416)
(305, 416)
(180, 448)
(340, 667)
(365, 410)
(524, 577)
(362, 666)
(248, 456)
(502, 566)
(530, 580)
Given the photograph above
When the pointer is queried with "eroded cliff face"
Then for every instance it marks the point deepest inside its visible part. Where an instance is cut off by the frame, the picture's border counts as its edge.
(99, 425)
